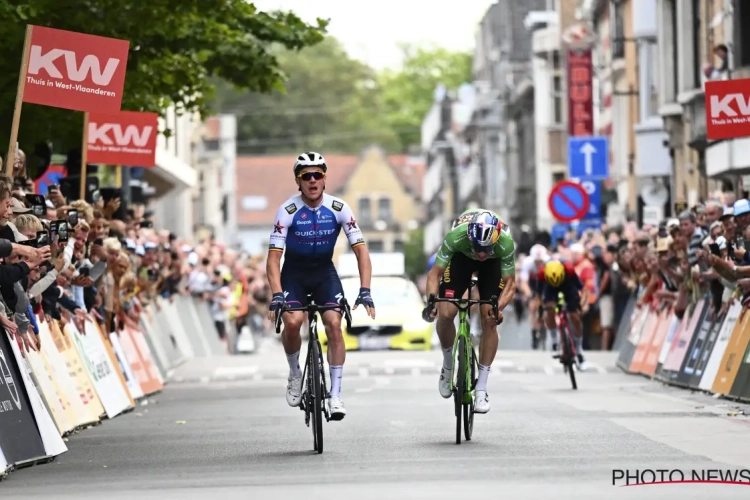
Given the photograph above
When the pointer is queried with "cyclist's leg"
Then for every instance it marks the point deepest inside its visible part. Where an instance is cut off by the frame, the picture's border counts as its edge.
(489, 284)
(453, 284)
(573, 305)
(328, 292)
(294, 292)
(549, 299)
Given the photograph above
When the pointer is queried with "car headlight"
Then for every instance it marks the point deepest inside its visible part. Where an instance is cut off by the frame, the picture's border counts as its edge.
(416, 325)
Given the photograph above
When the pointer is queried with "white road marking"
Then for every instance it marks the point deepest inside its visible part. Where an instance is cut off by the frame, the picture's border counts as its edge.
(416, 372)
(235, 370)
(364, 372)
(405, 363)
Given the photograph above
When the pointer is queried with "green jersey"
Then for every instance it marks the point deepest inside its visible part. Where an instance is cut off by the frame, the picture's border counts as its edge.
(457, 241)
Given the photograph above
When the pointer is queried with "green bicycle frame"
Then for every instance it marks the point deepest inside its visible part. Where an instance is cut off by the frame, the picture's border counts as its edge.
(464, 332)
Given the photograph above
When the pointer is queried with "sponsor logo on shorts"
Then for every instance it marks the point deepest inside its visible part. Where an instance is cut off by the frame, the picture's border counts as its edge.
(447, 275)
(337, 205)
(449, 294)
(290, 209)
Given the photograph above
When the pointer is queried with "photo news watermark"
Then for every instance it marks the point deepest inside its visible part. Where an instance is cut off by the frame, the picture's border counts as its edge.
(643, 477)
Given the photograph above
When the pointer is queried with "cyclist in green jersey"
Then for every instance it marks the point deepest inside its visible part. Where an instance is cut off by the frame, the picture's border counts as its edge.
(478, 242)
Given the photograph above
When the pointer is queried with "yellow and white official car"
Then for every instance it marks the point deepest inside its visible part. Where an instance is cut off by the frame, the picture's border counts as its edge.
(398, 320)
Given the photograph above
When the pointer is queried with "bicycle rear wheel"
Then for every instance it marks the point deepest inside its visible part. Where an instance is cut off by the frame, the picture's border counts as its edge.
(460, 389)
(469, 407)
(569, 363)
(317, 397)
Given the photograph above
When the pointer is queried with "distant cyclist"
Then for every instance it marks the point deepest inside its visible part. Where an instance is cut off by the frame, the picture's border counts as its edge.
(307, 226)
(531, 287)
(560, 277)
(478, 242)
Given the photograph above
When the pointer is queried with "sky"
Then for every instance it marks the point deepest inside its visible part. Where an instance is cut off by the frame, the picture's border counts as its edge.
(370, 31)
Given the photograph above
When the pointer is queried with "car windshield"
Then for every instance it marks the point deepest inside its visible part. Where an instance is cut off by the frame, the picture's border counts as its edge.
(385, 291)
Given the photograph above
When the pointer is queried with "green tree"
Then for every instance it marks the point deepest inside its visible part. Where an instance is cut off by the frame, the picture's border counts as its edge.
(407, 93)
(331, 103)
(415, 261)
(175, 47)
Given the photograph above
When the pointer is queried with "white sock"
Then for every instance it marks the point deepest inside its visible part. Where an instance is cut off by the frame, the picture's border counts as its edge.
(293, 360)
(578, 342)
(336, 372)
(484, 372)
(448, 358)
(553, 335)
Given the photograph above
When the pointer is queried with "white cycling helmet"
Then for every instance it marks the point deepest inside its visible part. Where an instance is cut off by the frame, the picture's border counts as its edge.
(309, 159)
(538, 252)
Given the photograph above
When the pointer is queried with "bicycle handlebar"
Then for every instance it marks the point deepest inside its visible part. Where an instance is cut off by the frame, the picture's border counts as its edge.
(313, 308)
(431, 300)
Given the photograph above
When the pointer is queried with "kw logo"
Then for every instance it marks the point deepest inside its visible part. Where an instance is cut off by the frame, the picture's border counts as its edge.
(75, 72)
(131, 135)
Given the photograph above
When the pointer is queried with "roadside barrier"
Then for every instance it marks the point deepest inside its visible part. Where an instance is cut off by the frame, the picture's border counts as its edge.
(705, 352)
(79, 379)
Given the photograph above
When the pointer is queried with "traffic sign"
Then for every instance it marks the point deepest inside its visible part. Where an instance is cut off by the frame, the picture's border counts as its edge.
(588, 157)
(568, 201)
(594, 189)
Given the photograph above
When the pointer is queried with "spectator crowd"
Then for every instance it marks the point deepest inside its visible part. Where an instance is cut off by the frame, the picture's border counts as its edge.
(69, 260)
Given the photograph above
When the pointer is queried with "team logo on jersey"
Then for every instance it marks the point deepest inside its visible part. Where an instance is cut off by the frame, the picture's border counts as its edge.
(278, 227)
(337, 205)
(352, 224)
(304, 215)
(290, 209)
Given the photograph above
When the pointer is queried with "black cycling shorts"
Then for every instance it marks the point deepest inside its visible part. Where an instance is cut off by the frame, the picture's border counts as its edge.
(323, 283)
(456, 278)
(569, 289)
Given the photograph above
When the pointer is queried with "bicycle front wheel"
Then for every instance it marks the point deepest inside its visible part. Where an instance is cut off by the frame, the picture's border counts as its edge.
(317, 406)
(469, 407)
(460, 388)
(567, 343)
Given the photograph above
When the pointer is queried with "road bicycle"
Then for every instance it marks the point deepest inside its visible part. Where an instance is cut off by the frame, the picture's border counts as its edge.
(463, 388)
(567, 355)
(315, 400)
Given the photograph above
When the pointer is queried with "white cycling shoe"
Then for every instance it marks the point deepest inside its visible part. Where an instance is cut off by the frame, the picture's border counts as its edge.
(481, 402)
(445, 383)
(338, 411)
(294, 390)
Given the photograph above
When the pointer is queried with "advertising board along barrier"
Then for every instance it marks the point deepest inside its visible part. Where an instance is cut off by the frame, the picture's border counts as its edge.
(92, 328)
(667, 322)
(703, 352)
(730, 361)
(157, 351)
(740, 386)
(650, 326)
(627, 351)
(67, 389)
(673, 364)
(156, 382)
(77, 371)
(51, 439)
(36, 371)
(141, 371)
(695, 345)
(106, 382)
(20, 439)
(131, 381)
(722, 341)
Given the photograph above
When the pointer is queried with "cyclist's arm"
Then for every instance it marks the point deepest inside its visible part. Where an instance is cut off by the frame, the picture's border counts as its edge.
(276, 244)
(442, 259)
(508, 270)
(345, 217)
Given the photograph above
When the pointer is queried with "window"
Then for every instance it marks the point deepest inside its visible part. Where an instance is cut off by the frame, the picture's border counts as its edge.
(618, 44)
(375, 245)
(384, 209)
(557, 177)
(696, 36)
(398, 246)
(742, 18)
(365, 210)
(557, 100)
(651, 94)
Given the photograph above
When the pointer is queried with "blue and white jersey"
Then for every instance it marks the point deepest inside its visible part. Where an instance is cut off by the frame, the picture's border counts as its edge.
(309, 234)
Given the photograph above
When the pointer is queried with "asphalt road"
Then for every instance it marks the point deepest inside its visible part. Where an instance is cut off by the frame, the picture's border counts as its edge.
(208, 436)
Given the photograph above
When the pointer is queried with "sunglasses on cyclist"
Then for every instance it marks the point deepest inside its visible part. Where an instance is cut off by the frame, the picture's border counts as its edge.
(306, 176)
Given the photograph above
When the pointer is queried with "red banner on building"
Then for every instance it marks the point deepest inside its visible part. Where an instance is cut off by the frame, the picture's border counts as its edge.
(580, 94)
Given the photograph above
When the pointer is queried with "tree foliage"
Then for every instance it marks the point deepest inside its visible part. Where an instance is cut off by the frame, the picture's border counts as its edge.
(331, 103)
(408, 92)
(175, 47)
(414, 257)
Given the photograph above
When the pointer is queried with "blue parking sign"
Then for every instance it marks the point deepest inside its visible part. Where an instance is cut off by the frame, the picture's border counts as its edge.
(594, 190)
